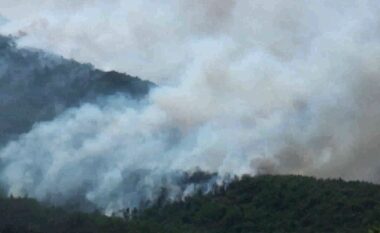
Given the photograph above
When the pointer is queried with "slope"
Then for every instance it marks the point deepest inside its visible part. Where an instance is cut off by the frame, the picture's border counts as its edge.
(251, 204)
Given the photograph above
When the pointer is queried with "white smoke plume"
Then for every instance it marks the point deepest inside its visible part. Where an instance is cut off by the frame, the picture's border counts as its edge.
(245, 87)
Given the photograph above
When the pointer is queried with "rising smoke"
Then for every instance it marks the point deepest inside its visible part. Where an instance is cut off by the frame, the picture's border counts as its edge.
(36, 86)
(245, 87)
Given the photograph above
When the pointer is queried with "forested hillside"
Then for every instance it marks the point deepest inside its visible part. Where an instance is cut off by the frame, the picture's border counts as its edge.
(264, 204)
(37, 86)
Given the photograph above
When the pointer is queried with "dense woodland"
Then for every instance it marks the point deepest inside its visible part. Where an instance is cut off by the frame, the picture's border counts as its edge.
(36, 86)
(267, 204)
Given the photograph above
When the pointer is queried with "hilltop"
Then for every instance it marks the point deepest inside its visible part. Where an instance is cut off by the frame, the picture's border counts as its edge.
(251, 204)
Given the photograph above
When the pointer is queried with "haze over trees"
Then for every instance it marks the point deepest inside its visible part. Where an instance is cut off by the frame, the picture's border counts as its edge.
(281, 204)
(37, 86)
(241, 94)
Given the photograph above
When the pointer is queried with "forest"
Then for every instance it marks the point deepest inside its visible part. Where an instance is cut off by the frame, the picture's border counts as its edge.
(266, 203)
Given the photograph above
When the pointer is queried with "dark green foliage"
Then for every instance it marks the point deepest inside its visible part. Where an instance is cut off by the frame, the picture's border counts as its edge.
(36, 86)
(277, 204)
(26, 215)
(261, 204)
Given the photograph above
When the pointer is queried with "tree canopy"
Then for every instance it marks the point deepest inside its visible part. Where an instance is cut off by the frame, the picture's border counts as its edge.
(251, 204)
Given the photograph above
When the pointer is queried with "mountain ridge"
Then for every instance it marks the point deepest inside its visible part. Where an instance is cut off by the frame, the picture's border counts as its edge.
(264, 203)
(37, 86)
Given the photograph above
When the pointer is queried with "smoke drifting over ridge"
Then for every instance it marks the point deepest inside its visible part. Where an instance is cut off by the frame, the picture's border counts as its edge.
(36, 86)
(244, 87)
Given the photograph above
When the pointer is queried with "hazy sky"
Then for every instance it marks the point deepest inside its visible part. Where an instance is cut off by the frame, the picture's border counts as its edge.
(160, 40)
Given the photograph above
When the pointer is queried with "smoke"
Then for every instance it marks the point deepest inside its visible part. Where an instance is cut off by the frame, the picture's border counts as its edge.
(244, 88)
(36, 86)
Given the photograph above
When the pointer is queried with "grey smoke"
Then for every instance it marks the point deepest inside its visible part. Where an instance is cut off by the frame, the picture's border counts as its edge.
(36, 86)
(3, 21)
(244, 87)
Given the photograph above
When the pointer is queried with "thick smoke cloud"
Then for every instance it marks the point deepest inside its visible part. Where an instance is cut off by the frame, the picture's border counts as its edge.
(245, 87)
